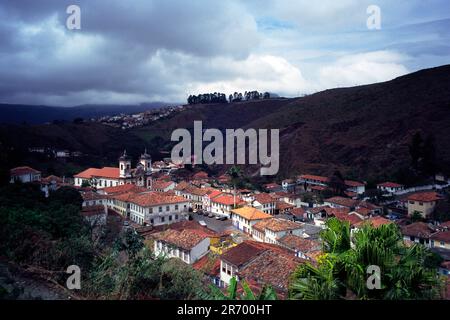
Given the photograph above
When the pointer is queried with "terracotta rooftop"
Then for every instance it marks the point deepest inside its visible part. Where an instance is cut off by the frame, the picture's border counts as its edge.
(270, 186)
(227, 200)
(123, 189)
(351, 183)
(374, 222)
(23, 170)
(270, 267)
(345, 202)
(242, 253)
(208, 264)
(161, 184)
(424, 197)
(155, 198)
(105, 172)
(51, 179)
(264, 198)
(277, 225)
(281, 205)
(250, 213)
(389, 184)
(418, 229)
(299, 244)
(181, 186)
(443, 236)
(186, 239)
(299, 212)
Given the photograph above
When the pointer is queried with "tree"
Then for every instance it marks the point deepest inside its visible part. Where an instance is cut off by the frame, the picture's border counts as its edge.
(407, 272)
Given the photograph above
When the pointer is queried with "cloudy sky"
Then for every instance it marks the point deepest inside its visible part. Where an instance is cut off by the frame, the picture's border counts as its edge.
(162, 50)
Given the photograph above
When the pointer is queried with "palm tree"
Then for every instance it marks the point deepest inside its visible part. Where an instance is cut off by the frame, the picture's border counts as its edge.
(406, 272)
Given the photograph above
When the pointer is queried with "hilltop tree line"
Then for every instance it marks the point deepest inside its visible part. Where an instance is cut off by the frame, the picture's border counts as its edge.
(218, 97)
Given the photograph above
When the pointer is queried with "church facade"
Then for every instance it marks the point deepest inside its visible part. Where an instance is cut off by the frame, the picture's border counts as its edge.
(115, 176)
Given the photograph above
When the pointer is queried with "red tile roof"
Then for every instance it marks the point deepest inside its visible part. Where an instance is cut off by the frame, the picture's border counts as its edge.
(51, 179)
(270, 186)
(150, 199)
(123, 189)
(161, 184)
(318, 188)
(18, 171)
(186, 239)
(441, 236)
(105, 172)
(346, 202)
(250, 213)
(264, 198)
(273, 268)
(300, 244)
(390, 185)
(299, 212)
(351, 183)
(243, 253)
(227, 200)
(208, 264)
(418, 229)
(374, 222)
(424, 197)
(277, 225)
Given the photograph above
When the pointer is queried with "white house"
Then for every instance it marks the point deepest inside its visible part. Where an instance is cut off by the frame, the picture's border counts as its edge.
(114, 176)
(271, 230)
(154, 208)
(223, 204)
(24, 175)
(264, 202)
(187, 245)
(246, 217)
(390, 187)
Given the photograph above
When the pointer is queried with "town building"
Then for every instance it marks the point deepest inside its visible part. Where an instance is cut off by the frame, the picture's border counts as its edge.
(114, 176)
(24, 174)
(423, 203)
(270, 230)
(390, 187)
(187, 245)
(244, 218)
(264, 202)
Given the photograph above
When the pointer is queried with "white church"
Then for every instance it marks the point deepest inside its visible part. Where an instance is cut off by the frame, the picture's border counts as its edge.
(115, 176)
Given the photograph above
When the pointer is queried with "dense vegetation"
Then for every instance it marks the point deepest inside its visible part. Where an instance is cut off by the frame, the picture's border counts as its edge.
(45, 232)
(405, 272)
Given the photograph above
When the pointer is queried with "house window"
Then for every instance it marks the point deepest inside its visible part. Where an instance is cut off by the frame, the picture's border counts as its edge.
(163, 219)
(160, 209)
(176, 207)
(170, 218)
(167, 208)
(420, 203)
(176, 217)
(442, 244)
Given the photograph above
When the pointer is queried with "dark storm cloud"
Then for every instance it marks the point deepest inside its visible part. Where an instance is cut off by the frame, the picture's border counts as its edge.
(142, 50)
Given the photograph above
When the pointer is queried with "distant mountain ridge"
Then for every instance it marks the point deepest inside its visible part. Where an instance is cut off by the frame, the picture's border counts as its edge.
(363, 131)
(39, 114)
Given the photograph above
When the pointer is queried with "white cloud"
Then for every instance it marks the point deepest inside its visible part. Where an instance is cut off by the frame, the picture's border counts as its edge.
(365, 68)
